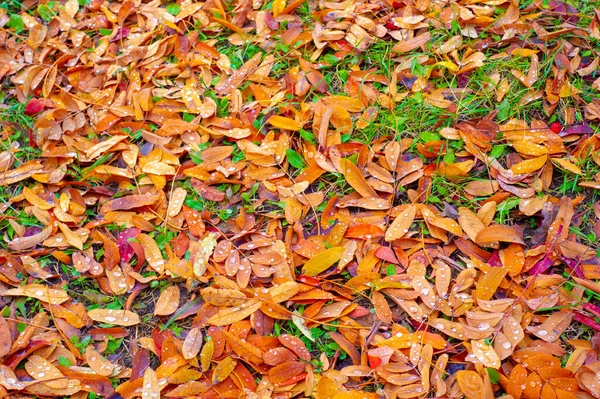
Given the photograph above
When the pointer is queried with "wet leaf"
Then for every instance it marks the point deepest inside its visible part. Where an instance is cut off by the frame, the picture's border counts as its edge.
(41, 292)
(168, 302)
(116, 317)
(322, 261)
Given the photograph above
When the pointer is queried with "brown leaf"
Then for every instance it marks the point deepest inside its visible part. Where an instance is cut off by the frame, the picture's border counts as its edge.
(21, 243)
(347, 346)
(404, 46)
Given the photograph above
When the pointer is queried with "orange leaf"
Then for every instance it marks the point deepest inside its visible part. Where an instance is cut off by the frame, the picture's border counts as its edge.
(401, 224)
(495, 233)
(489, 281)
(516, 381)
(71, 237)
(40, 292)
(231, 315)
(295, 345)
(355, 178)
(5, 337)
(168, 302)
(282, 122)
(382, 308)
(245, 350)
(404, 46)
(513, 259)
(480, 188)
(471, 384)
(35, 199)
(97, 363)
(150, 387)
(285, 371)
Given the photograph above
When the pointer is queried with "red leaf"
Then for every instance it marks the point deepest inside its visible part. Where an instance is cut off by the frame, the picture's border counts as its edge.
(125, 249)
(33, 107)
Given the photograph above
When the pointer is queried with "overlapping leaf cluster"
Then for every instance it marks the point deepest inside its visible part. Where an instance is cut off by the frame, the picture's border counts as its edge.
(299, 199)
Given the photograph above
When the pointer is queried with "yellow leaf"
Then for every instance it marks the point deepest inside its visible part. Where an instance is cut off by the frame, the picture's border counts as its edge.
(485, 353)
(207, 354)
(452, 67)
(401, 224)
(529, 165)
(152, 252)
(322, 261)
(42, 370)
(223, 369)
(278, 7)
(283, 122)
(567, 165)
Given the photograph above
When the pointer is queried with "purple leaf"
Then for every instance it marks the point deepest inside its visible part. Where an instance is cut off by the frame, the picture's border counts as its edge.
(588, 321)
(576, 129)
(541, 266)
(573, 264)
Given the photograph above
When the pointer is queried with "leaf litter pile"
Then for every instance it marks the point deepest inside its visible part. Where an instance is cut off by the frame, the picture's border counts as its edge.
(327, 199)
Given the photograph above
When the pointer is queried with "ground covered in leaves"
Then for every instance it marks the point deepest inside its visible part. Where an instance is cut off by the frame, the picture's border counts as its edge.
(326, 199)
